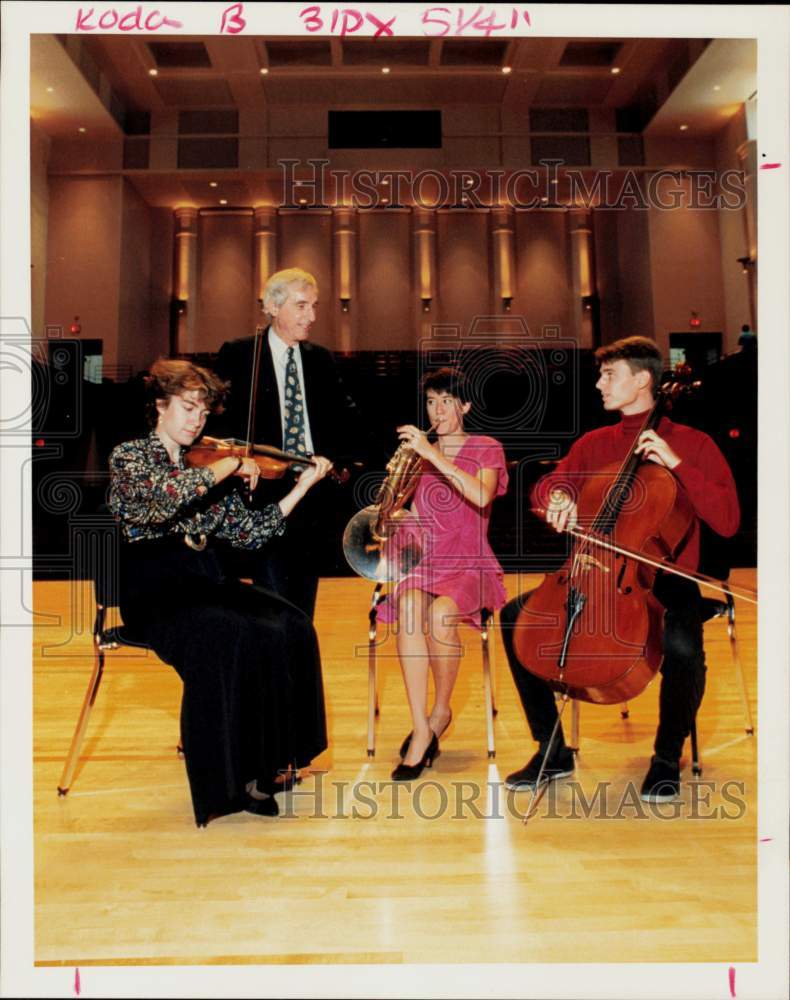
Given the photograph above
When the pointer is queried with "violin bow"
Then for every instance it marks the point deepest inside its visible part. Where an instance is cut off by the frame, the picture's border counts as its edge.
(257, 350)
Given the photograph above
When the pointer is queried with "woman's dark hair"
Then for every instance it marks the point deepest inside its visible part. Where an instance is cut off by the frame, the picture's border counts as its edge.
(450, 380)
(639, 353)
(172, 377)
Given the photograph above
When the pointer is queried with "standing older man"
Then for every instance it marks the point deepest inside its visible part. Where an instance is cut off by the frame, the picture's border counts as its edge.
(301, 407)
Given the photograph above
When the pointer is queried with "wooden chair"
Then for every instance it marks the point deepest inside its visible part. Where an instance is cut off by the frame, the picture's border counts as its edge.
(104, 565)
(489, 682)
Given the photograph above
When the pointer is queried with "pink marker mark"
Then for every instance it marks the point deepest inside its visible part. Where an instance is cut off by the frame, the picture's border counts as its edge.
(770, 166)
(765, 840)
(732, 981)
(77, 982)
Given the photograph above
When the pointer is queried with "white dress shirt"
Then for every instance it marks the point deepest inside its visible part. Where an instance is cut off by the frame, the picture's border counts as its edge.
(279, 351)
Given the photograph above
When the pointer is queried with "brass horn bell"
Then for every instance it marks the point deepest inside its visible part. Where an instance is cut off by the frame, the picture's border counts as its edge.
(383, 542)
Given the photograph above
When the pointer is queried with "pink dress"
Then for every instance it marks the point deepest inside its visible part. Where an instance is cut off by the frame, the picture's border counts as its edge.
(457, 560)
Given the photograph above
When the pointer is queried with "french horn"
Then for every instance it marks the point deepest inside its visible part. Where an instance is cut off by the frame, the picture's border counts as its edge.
(382, 542)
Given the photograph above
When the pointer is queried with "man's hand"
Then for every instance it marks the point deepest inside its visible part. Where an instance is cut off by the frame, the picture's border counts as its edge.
(561, 512)
(655, 449)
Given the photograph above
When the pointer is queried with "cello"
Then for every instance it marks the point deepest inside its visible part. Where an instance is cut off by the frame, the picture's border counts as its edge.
(593, 630)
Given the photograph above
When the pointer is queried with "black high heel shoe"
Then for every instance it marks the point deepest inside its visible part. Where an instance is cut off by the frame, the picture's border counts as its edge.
(408, 772)
(404, 747)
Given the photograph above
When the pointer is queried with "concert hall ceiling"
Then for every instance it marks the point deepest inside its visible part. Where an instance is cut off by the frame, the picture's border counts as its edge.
(113, 86)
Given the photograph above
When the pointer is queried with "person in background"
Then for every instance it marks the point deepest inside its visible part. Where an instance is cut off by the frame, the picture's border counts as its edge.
(302, 407)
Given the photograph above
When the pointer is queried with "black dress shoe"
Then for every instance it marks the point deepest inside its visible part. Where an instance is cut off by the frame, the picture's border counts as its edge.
(404, 747)
(262, 807)
(408, 772)
(271, 786)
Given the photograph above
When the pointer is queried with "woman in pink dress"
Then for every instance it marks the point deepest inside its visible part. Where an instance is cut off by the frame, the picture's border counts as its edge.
(458, 574)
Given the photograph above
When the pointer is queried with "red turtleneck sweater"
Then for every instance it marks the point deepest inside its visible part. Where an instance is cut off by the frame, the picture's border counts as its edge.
(702, 472)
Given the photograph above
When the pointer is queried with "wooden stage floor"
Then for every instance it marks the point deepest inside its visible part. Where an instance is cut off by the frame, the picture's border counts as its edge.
(448, 874)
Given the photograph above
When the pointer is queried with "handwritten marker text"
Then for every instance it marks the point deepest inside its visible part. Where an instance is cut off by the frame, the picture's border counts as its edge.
(133, 20)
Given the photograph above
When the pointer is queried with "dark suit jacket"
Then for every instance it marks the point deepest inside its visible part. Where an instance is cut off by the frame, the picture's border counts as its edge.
(335, 423)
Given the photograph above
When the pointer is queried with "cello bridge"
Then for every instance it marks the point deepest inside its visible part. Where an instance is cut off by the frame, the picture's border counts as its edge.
(584, 561)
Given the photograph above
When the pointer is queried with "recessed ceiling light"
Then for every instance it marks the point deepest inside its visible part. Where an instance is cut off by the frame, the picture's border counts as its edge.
(303, 201)
(385, 69)
(385, 201)
(223, 201)
(153, 72)
(264, 70)
(554, 180)
(683, 128)
(716, 87)
(545, 200)
(82, 129)
(50, 90)
(615, 70)
(385, 182)
(507, 69)
(212, 184)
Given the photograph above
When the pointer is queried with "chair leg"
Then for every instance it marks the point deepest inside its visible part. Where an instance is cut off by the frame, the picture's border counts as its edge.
(488, 688)
(736, 659)
(373, 698)
(82, 722)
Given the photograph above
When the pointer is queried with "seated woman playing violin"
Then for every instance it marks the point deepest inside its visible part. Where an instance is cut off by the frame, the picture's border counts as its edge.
(253, 707)
(458, 574)
(630, 373)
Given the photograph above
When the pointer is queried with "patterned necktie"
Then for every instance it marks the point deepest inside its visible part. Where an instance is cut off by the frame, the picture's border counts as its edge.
(294, 409)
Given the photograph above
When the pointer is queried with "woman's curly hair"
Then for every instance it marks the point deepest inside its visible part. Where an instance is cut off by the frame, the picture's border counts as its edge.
(172, 377)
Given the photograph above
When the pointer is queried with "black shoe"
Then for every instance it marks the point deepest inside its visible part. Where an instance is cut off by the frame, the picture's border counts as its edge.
(404, 747)
(560, 765)
(408, 772)
(662, 781)
(262, 807)
(271, 787)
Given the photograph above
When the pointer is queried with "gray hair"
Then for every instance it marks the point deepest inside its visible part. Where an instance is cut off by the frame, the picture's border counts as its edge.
(278, 286)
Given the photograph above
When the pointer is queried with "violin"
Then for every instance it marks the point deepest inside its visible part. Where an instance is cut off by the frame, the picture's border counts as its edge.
(594, 630)
(272, 462)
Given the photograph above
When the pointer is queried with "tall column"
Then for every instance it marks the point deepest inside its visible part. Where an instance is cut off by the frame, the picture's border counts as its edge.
(265, 237)
(504, 258)
(747, 161)
(424, 233)
(346, 304)
(185, 280)
(583, 271)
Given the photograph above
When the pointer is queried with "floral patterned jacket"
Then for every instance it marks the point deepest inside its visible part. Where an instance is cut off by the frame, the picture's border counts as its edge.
(153, 498)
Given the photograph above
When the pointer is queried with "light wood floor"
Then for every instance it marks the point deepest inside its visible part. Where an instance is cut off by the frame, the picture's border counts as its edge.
(122, 875)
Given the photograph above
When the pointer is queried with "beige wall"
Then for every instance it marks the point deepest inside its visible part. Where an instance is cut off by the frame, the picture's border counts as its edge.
(39, 218)
(543, 283)
(685, 271)
(733, 235)
(84, 257)
(462, 253)
(385, 313)
(225, 279)
(135, 346)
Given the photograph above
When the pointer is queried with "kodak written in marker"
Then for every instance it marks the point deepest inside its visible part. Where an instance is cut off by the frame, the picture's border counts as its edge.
(88, 19)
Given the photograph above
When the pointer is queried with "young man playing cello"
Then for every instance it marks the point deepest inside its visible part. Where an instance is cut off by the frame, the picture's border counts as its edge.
(630, 372)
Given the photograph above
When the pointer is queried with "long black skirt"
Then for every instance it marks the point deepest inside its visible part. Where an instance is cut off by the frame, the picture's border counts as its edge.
(253, 700)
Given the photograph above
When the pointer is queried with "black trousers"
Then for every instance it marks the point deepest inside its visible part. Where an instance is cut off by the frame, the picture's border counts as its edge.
(288, 565)
(253, 700)
(682, 670)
